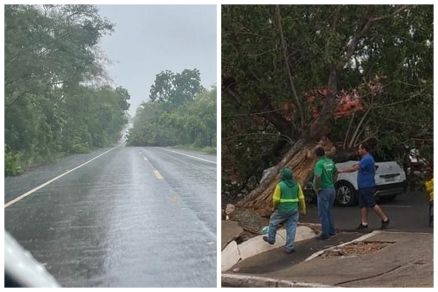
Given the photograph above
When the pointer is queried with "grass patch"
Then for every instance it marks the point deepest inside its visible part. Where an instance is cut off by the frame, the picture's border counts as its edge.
(207, 150)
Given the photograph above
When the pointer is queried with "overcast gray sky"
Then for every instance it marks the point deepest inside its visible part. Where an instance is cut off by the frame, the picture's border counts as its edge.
(148, 39)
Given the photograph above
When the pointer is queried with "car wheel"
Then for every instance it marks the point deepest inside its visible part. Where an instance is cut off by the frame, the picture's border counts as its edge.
(345, 194)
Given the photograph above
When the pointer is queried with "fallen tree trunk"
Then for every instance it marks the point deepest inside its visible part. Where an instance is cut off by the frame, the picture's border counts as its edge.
(300, 159)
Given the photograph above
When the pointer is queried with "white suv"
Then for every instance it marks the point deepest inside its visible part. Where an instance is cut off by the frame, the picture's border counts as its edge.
(390, 181)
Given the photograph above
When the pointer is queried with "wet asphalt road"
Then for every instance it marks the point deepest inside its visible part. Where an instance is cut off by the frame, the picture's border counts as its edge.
(134, 217)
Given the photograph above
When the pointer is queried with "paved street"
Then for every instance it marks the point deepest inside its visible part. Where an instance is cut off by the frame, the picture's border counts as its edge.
(406, 261)
(134, 217)
(408, 212)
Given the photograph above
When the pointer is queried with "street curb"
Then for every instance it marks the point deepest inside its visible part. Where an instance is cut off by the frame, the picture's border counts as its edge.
(362, 238)
(233, 253)
(256, 281)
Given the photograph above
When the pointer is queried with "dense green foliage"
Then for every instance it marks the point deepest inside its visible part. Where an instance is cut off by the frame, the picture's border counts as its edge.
(273, 56)
(179, 112)
(52, 67)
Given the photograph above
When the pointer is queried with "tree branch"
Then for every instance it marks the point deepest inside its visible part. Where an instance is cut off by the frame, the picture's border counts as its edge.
(351, 47)
(397, 102)
(267, 111)
(284, 127)
(284, 50)
(348, 130)
(353, 138)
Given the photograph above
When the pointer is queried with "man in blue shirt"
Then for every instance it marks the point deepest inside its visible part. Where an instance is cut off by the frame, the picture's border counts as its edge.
(367, 187)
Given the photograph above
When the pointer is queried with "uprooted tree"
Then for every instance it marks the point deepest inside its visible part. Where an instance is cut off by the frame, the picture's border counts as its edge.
(297, 76)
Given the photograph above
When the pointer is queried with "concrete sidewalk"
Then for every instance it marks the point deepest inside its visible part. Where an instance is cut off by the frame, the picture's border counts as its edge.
(406, 260)
(233, 253)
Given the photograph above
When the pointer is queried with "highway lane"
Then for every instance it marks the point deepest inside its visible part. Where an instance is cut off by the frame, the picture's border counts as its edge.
(134, 217)
(17, 185)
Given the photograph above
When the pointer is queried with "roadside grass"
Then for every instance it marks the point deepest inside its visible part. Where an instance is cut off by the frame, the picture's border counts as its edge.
(208, 149)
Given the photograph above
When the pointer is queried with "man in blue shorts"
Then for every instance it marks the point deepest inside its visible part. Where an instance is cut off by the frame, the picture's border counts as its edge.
(367, 187)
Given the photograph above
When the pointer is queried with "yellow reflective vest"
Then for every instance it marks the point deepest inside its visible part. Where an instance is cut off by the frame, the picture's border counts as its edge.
(429, 189)
(287, 202)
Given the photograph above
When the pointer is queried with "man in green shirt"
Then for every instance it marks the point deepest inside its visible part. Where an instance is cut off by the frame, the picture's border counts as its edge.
(325, 174)
(288, 195)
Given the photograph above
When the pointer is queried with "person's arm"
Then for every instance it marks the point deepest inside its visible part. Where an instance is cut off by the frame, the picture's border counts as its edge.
(317, 180)
(317, 183)
(276, 197)
(353, 168)
(335, 175)
(301, 200)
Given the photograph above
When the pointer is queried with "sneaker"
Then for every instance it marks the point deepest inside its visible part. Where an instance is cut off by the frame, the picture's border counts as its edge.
(362, 227)
(385, 224)
(289, 251)
(322, 237)
(265, 238)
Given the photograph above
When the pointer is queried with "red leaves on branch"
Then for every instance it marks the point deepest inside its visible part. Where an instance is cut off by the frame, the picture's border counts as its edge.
(348, 102)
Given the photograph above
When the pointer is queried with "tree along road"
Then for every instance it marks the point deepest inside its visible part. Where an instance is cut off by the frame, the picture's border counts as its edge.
(133, 217)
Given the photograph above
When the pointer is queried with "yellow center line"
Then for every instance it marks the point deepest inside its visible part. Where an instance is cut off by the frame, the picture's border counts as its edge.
(174, 199)
(157, 174)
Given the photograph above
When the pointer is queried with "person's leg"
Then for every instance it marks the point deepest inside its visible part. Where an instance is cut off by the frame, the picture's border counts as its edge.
(331, 228)
(291, 228)
(323, 206)
(380, 212)
(363, 209)
(384, 219)
(275, 220)
(376, 208)
(364, 216)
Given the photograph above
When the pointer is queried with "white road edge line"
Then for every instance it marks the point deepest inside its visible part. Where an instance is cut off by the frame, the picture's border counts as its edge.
(209, 161)
(54, 179)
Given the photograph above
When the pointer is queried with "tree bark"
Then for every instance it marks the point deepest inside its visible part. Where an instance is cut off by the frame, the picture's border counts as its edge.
(300, 159)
